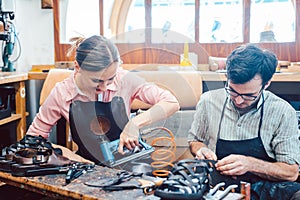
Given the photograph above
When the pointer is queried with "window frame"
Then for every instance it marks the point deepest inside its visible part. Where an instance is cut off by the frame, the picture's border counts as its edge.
(289, 51)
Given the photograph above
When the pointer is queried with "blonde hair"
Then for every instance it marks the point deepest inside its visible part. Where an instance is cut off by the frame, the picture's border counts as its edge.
(75, 43)
(94, 53)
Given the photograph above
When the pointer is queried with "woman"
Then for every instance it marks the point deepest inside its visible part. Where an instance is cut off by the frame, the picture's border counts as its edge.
(98, 76)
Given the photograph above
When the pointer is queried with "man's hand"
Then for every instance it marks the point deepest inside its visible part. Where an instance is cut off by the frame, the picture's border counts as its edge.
(129, 137)
(234, 165)
(206, 153)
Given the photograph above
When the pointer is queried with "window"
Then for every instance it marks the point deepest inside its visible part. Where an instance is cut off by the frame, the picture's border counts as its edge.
(76, 19)
(173, 21)
(217, 26)
(272, 21)
(130, 27)
(221, 21)
(167, 25)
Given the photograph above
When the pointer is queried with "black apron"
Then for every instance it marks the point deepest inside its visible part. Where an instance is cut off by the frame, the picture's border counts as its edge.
(260, 188)
(249, 147)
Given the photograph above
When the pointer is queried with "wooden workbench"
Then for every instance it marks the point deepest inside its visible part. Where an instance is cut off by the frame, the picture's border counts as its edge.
(54, 186)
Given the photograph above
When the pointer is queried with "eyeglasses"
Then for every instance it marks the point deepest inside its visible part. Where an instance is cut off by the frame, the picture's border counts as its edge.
(246, 97)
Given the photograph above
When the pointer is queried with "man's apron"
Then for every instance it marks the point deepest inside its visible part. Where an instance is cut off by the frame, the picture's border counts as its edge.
(253, 147)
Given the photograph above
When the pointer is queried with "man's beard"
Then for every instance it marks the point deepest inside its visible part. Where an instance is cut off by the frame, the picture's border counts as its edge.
(246, 109)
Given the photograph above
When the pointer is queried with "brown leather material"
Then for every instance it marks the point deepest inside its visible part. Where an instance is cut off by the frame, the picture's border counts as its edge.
(28, 141)
(9, 156)
(35, 156)
(58, 160)
(30, 156)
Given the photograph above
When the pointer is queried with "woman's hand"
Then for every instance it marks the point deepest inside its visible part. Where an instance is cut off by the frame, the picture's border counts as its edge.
(129, 137)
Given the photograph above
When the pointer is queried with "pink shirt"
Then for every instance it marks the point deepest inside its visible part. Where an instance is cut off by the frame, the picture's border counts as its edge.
(126, 84)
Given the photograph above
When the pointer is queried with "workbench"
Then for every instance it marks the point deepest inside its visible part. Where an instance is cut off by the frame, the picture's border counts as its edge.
(55, 187)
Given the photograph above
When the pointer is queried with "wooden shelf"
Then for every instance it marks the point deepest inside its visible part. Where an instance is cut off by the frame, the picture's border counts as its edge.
(12, 118)
(16, 79)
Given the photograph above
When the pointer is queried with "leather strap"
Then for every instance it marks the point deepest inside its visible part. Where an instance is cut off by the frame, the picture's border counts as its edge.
(30, 156)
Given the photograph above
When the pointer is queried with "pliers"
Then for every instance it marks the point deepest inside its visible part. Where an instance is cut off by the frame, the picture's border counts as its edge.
(76, 170)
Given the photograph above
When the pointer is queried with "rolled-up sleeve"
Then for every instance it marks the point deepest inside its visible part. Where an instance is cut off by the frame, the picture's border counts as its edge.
(152, 94)
(198, 128)
(131, 87)
(286, 139)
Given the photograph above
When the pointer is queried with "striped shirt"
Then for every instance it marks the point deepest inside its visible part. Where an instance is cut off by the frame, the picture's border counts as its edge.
(279, 130)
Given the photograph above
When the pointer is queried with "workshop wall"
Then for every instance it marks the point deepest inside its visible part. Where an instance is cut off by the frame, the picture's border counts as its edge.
(35, 30)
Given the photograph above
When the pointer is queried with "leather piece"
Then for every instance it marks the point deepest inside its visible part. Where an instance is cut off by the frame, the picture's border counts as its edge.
(58, 160)
(29, 156)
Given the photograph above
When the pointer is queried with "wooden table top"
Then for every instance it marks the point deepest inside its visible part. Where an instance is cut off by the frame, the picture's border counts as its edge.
(10, 77)
(54, 185)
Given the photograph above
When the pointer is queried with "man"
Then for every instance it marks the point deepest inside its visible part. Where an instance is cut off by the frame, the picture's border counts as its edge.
(252, 133)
